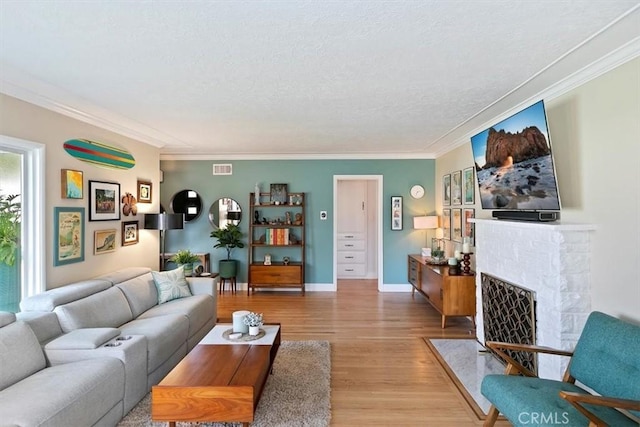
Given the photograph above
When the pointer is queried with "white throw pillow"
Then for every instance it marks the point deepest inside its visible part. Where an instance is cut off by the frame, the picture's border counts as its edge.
(171, 284)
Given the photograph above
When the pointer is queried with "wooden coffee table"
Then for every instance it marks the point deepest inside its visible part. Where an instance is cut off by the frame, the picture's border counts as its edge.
(218, 381)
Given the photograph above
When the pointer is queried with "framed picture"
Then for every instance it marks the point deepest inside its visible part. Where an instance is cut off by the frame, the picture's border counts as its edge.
(446, 223)
(71, 184)
(446, 190)
(456, 188)
(456, 225)
(104, 201)
(144, 191)
(68, 235)
(396, 212)
(469, 188)
(129, 233)
(469, 229)
(104, 241)
(279, 194)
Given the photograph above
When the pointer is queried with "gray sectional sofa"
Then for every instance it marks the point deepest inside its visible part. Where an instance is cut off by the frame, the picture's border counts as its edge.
(88, 352)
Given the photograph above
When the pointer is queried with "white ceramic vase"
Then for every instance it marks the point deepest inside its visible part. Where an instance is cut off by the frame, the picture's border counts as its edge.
(254, 330)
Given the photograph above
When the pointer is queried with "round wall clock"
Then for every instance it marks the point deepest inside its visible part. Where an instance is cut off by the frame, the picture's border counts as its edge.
(417, 191)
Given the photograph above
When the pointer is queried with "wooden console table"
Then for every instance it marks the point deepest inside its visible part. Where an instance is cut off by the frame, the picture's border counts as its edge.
(205, 260)
(450, 295)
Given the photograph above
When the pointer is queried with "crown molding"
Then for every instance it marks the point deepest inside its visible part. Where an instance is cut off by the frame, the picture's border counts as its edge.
(604, 59)
(546, 84)
(299, 156)
(25, 87)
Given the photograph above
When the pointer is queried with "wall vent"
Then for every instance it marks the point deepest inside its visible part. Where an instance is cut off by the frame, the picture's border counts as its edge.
(223, 169)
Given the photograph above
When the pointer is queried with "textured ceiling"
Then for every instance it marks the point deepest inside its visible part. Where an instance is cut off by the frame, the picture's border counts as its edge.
(298, 78)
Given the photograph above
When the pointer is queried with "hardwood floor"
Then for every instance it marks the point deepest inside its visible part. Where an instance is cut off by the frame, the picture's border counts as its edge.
(382, 372)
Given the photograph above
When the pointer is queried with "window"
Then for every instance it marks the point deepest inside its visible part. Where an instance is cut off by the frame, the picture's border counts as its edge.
(24, 175)
(10, 211)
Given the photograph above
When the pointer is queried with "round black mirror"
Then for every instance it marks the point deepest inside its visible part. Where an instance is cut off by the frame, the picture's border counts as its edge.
(224, 211)
(187, 202)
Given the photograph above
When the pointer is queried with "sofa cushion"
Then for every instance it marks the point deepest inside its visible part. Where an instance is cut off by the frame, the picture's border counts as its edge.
(20, 354)
(164, 334)
(108, 308)
(71, 394)
(141, 293)
(49, 300)
(606, 357)
(171, 284)
(519, 398)
(43, 323)
(6, 318)
(124, 274)
(198, 309)
(83, 339)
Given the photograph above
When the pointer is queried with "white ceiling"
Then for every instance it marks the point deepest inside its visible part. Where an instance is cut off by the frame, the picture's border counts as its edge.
(303, 78)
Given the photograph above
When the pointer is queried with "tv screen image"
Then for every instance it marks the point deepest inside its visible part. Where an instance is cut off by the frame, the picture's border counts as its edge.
(514, 163)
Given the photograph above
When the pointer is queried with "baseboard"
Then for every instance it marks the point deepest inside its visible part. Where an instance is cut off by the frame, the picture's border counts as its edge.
(308, 287)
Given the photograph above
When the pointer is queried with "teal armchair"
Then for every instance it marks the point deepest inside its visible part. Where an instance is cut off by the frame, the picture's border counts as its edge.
(606, 366)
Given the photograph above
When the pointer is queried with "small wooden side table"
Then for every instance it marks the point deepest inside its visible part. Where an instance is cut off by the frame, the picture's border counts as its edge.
(232, 284)
(205, 260)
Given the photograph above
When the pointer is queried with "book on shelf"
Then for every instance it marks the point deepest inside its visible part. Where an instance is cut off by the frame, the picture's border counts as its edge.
(276, 236)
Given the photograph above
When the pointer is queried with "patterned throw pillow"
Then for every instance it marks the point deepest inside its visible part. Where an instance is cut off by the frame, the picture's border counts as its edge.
(171, 284)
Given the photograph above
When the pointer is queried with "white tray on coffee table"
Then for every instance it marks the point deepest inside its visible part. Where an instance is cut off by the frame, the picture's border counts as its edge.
(215, 335)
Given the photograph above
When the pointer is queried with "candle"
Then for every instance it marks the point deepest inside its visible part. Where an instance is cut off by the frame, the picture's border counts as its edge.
(466, 248)
(238, 322)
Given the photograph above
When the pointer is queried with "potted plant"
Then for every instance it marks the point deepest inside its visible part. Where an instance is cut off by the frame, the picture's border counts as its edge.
(10, 211)
(229, 237)
(185, 258)
(437, 254)
(253, 321)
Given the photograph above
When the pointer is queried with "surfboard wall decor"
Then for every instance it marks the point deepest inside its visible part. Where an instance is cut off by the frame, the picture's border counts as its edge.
(99, 154)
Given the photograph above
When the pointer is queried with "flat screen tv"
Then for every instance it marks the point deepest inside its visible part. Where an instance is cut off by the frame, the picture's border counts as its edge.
(514, 163)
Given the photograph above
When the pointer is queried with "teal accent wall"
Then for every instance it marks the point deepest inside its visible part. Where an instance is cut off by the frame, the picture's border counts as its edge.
(315, 178)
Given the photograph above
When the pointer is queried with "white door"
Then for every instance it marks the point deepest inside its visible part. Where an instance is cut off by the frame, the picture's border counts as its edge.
(354, 238)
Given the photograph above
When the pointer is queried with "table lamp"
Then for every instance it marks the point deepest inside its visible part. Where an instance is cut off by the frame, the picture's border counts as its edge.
(426, 222)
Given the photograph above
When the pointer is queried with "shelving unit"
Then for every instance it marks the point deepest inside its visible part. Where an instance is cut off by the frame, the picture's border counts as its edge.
(278, 274)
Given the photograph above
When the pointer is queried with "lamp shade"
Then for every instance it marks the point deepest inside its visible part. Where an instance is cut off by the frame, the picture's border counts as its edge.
(425, 222)
(163, 221)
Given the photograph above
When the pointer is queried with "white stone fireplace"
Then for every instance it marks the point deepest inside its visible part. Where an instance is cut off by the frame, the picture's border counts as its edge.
(553, 261)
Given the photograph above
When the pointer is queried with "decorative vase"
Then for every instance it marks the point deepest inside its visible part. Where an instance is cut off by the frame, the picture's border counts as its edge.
(256, 195)
(238, 321)
(188, 269)
(254, 330)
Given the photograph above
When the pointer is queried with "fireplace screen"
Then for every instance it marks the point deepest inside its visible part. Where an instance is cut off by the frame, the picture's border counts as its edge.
(509, 316)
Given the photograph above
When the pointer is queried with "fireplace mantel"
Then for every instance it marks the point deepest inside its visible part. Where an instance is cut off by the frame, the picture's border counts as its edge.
(551, 259)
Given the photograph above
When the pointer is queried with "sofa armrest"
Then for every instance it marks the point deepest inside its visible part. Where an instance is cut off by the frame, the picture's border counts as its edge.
(577, 399)
(527, 347)
(202, 285)
(83, 339)
(514, 367)
(130, 349)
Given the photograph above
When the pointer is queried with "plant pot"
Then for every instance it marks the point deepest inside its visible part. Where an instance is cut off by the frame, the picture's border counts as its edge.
(254, 330)
(228, 268)
(188, 269)
(10, 286)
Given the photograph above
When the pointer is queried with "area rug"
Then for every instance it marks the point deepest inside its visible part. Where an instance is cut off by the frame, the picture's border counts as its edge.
(466, 363)
(298, 393)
